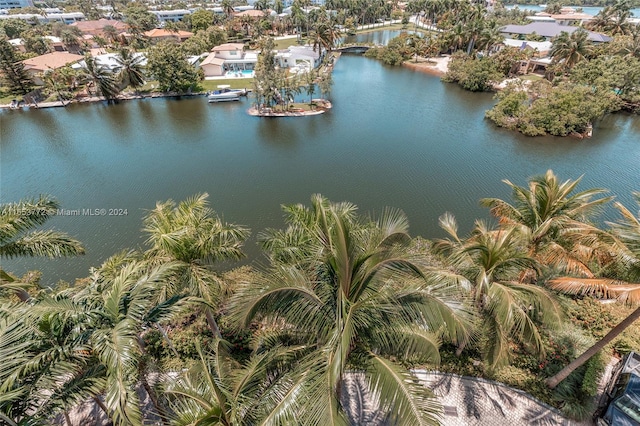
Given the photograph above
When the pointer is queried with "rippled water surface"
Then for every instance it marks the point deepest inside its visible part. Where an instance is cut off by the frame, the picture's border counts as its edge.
(395, 137)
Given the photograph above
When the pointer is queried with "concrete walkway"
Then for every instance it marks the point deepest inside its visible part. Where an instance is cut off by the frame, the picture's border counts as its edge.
(469, 401)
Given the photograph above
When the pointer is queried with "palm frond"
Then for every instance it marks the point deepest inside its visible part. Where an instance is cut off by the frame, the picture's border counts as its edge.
(598, 287)
(400, 395)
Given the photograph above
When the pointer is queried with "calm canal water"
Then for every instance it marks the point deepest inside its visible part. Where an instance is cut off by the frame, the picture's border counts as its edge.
(394, 138)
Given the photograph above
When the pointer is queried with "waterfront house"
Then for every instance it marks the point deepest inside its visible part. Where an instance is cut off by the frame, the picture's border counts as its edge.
(548, 30)
(301, 57)
(228, 57)
(159, 34)
(51, 61)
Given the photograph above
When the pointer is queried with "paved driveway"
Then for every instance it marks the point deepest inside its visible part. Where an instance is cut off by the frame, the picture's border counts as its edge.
(469, 401)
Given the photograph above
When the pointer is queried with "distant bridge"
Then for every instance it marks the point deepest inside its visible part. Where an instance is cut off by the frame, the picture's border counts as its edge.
(353, 48)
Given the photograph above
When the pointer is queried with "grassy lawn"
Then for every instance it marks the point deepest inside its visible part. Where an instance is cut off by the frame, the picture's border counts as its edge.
(6, 99)
(207, 85)
(283, 44)
(235, 83)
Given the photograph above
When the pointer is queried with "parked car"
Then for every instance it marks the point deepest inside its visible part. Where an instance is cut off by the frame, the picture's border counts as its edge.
(620, 404)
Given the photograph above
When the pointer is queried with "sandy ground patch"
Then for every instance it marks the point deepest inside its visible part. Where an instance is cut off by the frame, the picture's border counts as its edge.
(436, 66)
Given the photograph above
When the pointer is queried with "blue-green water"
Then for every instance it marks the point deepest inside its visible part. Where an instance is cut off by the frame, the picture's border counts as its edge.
(395, 137)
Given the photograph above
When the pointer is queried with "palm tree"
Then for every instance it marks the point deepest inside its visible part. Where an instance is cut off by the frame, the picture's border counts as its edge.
(131, 69)
(87, 342)
(111, 33)
(418, 45)
(553, 220)
(217, 389)
(627, 248)
(18, 239)
(493, 261)
(347, 292)
(100, 78)
(191, 234)
(490, 36)
(602, 20)
(324, 36)
(70, 37)
(571, 48)
(631, 47)
(227, 7)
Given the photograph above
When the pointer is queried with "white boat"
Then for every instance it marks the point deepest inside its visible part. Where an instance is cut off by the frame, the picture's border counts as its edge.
(225, 94)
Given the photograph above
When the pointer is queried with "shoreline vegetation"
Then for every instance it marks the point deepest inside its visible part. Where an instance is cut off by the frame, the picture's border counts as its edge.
(514, 302)
(316, 107)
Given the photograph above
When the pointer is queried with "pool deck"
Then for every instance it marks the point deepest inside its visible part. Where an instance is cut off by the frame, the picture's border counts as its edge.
(230, 76)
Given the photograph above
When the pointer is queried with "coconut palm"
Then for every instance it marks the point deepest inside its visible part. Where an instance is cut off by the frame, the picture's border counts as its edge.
(71, 37)
(626, 246)
(192, 234)
(87, 343)
(227, 7)
(418, 45)
(347, 291)
(571, 48)
(18, 239)
(110, 33)
(100, 78)
(219, 390)
(553, 220)
(131, 69)
(490, 36)
(324, 36)
(493, 262)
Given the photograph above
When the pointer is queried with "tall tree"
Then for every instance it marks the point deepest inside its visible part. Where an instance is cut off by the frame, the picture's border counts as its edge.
(14, 76)
(13, 28)
(219, 390)
(88, 342)
(348, 291)
(494, 262)
(167, 63)
(553, 219)
(569, 49)
(201, 19)
(71, 37)
(626, 246)
(100, 78)
(131, 69)
(227, 7)
(191, 234)
(18, 239)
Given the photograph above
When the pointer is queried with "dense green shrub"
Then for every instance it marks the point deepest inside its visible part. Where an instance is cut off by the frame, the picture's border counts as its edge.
(514, 376)
(593, 373)
(615, 74)
(559, 110)
(395, 53)
(474, 74)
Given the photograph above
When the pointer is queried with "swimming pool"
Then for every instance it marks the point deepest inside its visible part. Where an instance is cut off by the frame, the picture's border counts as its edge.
(242, 74)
